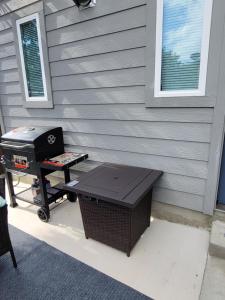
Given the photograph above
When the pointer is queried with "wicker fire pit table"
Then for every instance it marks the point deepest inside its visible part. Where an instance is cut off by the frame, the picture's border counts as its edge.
(115, 203)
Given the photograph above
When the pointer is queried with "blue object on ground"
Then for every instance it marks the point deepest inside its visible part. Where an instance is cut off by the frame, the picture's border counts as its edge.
(2, 201)
(47, 273)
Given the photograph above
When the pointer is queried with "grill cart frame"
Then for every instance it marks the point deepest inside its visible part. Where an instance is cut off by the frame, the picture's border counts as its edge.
(39, 151)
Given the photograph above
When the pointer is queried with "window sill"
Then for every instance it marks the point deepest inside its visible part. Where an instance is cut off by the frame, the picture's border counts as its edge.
(187, 101)
(38, 104)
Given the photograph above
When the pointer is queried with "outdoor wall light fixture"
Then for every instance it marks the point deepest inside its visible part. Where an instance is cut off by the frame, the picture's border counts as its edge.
(82, 4)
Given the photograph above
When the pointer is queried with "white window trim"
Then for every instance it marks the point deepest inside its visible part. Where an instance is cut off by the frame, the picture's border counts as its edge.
(203, 60)
(18, 23)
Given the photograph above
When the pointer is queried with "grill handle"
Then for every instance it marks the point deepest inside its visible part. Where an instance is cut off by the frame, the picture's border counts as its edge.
(5, 144)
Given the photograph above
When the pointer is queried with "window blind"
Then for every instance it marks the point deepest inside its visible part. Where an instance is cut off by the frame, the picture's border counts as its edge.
(181, 44)
(31, 55)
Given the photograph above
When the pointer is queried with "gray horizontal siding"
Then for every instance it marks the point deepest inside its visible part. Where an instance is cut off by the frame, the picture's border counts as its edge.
(168, 131)
(53, 6)
(182, 184)
(8, 6)
(167, 148)
(118, 60)
(181, 199)
(128, 39)
(192, 168)
(7, 50)
(198, 151)
(8, 63)
(21, 8)
(174, 182)
(68, 14)
(11, 99)
(114, 112)
(128, 19)
(5, 23)
(6, 36)
(132, 94)
(9, 76)
(97, 63)
(115, 78)
(9, 88)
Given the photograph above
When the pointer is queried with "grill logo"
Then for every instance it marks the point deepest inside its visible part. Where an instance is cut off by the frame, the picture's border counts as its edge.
(51, 139)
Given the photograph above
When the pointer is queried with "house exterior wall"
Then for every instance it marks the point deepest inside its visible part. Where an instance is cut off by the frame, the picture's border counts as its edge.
(99, 65)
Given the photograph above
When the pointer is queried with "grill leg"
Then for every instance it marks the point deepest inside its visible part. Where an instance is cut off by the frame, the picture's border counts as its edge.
(71, 196)
(44, 194)
(149, 209)
(8, 177)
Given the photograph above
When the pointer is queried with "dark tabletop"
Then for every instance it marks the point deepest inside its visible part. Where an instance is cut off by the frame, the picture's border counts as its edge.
(118, 184)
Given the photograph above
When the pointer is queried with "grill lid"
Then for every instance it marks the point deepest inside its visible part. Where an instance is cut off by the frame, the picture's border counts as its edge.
(26, 134)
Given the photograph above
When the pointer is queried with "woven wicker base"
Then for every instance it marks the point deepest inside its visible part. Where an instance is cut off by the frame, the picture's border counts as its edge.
(117, 226)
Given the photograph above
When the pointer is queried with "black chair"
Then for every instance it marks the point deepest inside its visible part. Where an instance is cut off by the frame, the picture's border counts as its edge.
(5, 242)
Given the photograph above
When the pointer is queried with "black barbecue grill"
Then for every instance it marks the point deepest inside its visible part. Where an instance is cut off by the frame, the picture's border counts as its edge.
(24, 147)
(30, 150)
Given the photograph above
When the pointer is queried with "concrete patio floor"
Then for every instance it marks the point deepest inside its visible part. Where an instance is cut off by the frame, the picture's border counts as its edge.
(167, 263)
(213, 284)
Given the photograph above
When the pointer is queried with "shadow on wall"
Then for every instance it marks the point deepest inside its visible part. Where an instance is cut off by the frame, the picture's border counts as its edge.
(4, 8)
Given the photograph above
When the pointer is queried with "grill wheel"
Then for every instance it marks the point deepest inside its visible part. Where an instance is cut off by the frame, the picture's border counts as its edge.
(43, 214)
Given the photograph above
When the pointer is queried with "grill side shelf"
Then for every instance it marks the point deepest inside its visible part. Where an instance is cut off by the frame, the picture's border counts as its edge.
(58, 166)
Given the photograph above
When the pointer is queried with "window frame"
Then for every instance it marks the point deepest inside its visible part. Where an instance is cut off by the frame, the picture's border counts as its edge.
(19, 22)
(19, 16)
(203, 57)
(214, 59)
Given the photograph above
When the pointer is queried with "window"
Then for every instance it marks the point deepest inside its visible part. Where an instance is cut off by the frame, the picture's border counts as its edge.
(182, 43)
(31, 56)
